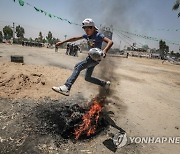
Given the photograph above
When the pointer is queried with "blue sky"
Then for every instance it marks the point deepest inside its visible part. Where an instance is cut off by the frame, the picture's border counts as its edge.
(147, 17)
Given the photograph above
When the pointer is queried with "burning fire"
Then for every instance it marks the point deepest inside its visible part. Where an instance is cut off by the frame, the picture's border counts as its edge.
(90, 120)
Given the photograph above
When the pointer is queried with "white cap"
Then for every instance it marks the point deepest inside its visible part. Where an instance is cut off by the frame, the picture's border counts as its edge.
(88, 22)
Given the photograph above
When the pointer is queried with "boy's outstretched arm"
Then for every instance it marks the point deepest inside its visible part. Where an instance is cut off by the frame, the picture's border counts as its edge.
(109, 44)
(69, 40)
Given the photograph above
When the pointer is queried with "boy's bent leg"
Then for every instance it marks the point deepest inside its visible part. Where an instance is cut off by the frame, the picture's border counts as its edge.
(77, 69)
(89, 78)
(65, 89)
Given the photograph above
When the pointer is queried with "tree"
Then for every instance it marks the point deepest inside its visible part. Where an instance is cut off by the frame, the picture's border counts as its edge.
(163, 48)
(30, 39)
(145, 47)
(176, 6)
(20, 31)
(36, 39)
(172, 52)
(44, 40)
(55, 40)
(40, 38)
(1, 36)
(8, 32)
(49, 38)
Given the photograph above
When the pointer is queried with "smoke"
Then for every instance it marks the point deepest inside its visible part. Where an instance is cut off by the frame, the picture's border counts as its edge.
(108, 73)
(116, 12)
(128, 15)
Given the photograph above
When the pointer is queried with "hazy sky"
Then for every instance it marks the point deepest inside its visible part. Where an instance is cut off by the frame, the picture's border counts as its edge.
(147, 17)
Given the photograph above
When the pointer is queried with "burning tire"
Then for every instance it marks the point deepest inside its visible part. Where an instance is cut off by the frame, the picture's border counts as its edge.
(72, 121)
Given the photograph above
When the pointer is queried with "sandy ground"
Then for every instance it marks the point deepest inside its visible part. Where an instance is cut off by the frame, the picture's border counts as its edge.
(146, 94)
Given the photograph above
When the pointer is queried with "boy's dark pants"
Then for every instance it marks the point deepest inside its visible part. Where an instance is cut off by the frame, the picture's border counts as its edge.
(88, 64)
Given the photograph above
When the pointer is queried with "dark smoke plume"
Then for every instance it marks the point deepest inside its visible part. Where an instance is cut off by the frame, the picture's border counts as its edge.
(115, 12)
(107, 71)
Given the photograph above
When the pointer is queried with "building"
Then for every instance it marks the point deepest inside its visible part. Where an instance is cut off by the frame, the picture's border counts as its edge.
(107, 31)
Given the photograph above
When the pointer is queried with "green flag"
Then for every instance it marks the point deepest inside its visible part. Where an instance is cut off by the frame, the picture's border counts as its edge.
(45, 13)
(36, 9)
(59, 18)
(21, 2)
(50, 15)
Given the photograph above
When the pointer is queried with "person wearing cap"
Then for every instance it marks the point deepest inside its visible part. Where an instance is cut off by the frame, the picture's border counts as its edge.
(94, 40)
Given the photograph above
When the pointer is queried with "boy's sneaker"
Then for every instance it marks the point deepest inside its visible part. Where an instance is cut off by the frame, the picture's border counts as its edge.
(107, 85)
(62, 89)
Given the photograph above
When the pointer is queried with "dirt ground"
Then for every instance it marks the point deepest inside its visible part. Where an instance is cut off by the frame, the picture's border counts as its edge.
(144, 101)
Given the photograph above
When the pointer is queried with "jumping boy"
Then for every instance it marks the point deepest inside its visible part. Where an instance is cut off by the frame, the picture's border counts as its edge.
(94, 40)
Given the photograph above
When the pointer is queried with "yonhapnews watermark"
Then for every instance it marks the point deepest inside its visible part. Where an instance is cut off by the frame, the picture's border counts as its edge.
(121, 139)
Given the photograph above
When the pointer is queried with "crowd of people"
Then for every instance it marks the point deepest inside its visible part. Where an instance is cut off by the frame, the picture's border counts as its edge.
(32, 44)
(72, 49)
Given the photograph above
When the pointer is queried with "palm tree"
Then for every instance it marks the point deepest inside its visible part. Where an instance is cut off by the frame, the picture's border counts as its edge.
(176, 6)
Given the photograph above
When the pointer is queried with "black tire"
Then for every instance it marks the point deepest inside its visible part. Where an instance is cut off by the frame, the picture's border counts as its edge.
(17, 59)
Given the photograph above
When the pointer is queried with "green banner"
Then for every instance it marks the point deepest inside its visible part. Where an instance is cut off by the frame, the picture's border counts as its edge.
(21, 2)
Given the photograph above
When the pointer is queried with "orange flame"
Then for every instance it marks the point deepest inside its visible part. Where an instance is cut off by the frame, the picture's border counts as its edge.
(87, 125)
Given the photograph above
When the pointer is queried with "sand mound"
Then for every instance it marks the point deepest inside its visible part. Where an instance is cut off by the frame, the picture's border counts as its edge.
(18, 82)
(31, 81)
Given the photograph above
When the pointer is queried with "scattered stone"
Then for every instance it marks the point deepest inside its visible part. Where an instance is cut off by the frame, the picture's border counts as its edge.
(176, 127)
(43, 83)
(38, 75)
